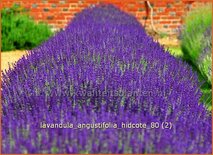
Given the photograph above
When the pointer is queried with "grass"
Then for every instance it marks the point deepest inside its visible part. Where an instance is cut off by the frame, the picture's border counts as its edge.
(196, 40)
(176, 51)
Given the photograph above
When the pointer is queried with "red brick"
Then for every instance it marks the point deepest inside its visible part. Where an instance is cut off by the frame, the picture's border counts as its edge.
(36, 10)
(130, 1)
(91, 1)
(179, 13)
(112, 1)
(72, 1)
(43, 5)
(156, 18)
(84, 5)
(160, 4)
(53, 1)
(136, 7)
(173, 26)
(66, 5)
(165, 22)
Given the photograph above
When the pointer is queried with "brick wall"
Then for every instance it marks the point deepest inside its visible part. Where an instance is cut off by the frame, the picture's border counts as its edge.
(168, 14)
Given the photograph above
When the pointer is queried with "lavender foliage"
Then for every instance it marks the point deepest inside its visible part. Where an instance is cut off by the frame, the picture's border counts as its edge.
(103, 50)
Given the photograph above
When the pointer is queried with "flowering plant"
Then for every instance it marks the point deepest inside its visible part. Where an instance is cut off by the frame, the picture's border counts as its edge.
(103, 49)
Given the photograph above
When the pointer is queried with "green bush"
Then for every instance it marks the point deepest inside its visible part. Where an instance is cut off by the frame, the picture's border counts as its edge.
(194, 40)
(196, 45)
(19, 31)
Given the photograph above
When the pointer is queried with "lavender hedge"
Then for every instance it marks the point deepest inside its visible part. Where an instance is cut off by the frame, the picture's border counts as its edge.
(69, 77)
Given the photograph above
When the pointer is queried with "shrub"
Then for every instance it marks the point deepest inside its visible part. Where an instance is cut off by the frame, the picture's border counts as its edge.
(76, 77)
(19, 31)
(196, 40)
(205, 58)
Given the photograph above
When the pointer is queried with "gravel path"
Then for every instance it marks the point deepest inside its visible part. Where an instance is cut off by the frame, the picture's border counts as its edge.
(10, 58)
